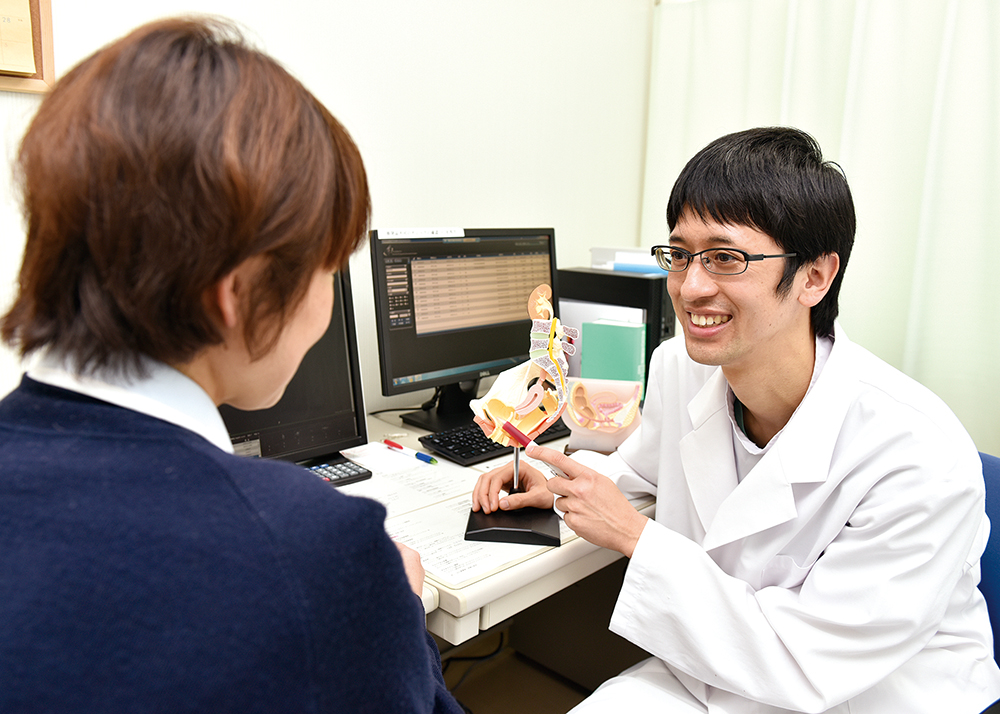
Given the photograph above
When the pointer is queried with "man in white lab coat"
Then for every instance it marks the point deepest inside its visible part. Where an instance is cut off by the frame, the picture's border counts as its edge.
(820, 516)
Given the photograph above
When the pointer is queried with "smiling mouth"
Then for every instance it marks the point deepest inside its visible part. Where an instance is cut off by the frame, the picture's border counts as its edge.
(709, 320)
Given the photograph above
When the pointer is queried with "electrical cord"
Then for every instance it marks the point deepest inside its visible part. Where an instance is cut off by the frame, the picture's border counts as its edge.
(391, 409)
(477, 662)
(432, 402)
(426, 406)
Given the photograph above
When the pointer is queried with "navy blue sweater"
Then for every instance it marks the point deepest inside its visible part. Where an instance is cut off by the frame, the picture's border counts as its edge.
(142, 569)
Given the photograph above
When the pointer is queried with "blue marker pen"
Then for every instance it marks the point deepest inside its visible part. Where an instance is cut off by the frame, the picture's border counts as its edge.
(410, 452)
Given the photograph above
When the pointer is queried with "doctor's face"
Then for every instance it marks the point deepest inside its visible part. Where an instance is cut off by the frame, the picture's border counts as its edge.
(736, 321)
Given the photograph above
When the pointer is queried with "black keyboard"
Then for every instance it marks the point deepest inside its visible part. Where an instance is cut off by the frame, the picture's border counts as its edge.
(467, 444)
(340, 472)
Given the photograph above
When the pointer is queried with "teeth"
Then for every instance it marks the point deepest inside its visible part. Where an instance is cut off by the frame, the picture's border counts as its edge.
(707, 320)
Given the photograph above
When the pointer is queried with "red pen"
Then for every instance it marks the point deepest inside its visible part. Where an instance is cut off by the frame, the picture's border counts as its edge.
(417, 454)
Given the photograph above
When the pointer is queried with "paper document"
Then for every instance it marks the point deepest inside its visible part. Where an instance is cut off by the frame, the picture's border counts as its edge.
(428, 508)
(438, 534)
(402, 483)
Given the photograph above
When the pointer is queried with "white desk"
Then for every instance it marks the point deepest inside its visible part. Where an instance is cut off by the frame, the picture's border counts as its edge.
(458, 613)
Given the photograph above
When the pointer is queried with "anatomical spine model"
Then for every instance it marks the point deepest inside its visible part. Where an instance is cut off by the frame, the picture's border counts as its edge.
(531, 396)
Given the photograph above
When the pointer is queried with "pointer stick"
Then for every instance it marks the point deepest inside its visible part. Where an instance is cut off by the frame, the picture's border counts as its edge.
(517, 453)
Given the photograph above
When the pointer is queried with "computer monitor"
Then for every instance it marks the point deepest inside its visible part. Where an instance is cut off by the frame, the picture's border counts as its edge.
(322, 411)
(451, 307)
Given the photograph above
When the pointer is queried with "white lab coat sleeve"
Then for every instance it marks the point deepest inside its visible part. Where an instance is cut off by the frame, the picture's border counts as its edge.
(871, 602)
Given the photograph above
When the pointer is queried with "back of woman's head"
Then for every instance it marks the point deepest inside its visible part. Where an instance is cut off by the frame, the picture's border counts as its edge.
(152, 170)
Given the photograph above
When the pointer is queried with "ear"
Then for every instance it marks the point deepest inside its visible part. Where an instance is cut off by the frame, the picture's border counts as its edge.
(819, 276)
(223, 299)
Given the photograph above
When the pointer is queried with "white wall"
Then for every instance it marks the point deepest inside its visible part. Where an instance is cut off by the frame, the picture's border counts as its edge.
(490, 113)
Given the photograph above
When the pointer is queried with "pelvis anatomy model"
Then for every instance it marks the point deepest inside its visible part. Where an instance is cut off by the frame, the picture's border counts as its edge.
(531, 396)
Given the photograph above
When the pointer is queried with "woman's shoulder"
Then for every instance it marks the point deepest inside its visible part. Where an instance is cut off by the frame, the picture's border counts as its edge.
(280, 489)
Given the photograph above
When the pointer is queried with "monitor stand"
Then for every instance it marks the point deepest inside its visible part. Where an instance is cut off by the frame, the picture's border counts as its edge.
(452, 408)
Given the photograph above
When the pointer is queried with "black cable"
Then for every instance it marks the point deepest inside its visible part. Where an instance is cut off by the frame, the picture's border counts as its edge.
(392, 409)
(426, 406)
(481, 660)
(432, 402)
(449, 660)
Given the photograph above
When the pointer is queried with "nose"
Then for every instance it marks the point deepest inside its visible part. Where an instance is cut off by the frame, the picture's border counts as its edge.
(695, 282)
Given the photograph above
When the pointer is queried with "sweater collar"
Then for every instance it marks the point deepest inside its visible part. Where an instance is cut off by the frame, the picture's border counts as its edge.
(163, 393)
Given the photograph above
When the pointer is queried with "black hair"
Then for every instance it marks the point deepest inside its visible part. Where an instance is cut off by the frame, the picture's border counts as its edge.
(774, 180)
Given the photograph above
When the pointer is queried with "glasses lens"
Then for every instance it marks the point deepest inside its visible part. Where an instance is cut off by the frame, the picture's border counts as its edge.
(672, 259)
(724, 262)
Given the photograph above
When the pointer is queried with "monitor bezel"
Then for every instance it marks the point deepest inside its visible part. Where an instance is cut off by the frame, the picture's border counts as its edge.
(381, 307)
(316, 453)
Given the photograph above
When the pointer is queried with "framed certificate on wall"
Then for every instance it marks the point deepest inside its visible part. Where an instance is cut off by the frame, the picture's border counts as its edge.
(26, 46)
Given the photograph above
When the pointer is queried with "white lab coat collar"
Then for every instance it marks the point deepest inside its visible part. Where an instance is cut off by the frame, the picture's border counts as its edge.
(163, 394)
(729, 510)
(703, 451)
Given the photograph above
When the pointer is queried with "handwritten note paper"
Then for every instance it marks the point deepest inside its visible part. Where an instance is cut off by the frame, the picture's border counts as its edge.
(17, 55)
(403, 484)
(427, 509)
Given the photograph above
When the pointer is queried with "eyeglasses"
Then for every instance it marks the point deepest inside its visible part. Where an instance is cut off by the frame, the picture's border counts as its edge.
(721, 261)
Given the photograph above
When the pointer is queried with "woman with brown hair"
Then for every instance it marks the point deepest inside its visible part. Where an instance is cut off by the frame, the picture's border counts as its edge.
(187, 203)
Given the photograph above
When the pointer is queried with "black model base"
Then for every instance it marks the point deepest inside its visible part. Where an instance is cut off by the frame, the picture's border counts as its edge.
(530, 526)
(452, 408)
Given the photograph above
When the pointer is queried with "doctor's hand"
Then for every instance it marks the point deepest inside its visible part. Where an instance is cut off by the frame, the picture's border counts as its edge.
(486, 495)
(594, 508)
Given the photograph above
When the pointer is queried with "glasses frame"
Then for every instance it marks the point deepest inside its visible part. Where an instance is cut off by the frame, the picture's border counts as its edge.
(657, 252)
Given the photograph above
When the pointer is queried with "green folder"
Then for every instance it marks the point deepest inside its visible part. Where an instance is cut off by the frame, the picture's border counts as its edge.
(613, 350)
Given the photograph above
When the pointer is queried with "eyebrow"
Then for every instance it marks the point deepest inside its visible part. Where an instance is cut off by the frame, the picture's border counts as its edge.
(715, 240)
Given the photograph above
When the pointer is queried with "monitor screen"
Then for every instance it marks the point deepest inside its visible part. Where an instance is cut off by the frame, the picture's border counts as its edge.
(451, 307)
(322, 410)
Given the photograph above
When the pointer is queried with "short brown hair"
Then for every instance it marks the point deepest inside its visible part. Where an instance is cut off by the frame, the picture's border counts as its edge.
(154, 168)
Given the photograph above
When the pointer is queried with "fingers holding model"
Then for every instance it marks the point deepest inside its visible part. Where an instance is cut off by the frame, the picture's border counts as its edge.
(533, 491)
(592, 505)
